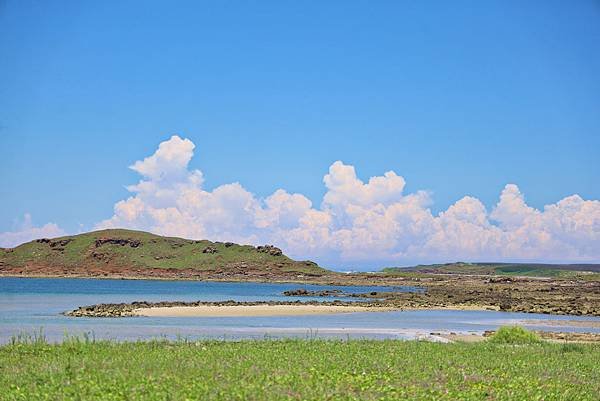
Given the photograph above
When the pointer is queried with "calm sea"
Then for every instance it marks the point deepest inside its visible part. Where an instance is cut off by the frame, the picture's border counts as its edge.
(29, 305)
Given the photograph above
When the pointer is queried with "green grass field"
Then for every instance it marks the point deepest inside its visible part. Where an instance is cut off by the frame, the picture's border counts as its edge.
(298, 370)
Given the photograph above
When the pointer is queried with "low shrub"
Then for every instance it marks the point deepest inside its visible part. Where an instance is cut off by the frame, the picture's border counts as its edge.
(514, 335)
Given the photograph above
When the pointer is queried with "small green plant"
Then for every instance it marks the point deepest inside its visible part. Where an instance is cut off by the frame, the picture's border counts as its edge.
(37, 337)
(570, 347)
(514, 335)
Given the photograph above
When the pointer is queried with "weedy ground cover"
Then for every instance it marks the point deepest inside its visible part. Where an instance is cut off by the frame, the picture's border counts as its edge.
(84, 369)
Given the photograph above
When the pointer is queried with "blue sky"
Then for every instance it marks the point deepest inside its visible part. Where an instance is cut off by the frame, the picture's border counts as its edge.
(459, 98)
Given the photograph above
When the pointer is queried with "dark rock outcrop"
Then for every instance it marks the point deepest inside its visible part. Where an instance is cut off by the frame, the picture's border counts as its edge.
(60, 243)
(118, 241)
(210, 249)
(270, 249)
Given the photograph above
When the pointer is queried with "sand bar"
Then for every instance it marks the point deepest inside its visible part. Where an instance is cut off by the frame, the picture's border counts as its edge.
(252, 310)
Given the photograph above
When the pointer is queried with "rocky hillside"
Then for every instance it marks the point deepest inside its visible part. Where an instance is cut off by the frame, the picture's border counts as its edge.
(126, 253)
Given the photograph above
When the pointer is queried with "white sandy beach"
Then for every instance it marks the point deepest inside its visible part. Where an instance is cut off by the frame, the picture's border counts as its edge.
(251, 310)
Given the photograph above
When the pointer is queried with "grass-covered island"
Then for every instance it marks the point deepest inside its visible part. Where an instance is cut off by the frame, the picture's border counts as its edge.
(512, 365)
(119, 253)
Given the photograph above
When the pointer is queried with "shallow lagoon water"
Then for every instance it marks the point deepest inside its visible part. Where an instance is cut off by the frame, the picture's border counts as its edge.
(30, 304)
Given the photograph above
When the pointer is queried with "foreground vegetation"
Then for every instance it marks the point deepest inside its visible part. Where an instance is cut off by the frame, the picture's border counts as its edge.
(300, 370)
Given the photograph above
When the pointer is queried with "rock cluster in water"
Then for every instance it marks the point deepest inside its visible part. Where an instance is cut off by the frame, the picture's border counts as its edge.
(303, 292)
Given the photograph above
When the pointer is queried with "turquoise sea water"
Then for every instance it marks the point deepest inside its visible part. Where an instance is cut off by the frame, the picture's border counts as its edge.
(30, 304)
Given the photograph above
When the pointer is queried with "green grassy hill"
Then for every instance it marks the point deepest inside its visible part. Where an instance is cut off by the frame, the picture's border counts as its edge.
(125, 251)
(502, 269)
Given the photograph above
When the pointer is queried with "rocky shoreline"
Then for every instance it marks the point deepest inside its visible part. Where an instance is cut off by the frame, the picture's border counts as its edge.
(554, 297)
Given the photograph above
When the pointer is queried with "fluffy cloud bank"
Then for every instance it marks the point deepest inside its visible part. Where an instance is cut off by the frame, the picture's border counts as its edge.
(357, 222)
(26, 231)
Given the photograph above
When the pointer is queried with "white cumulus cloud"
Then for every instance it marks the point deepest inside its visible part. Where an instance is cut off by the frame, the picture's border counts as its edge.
(357, 222)
(26, 231)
